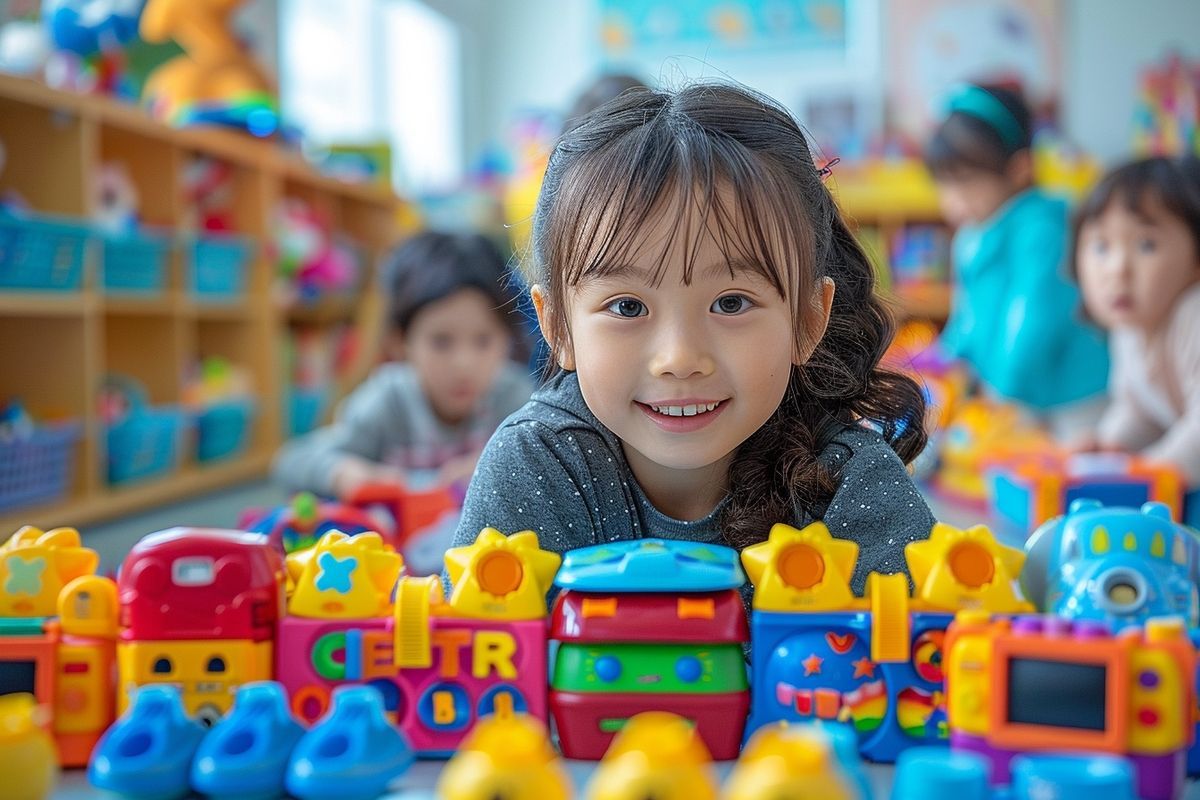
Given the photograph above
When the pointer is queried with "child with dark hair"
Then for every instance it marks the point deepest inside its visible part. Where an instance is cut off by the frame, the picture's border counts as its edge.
(1015, 313)
(715, 340)
(454, 334)
(1137, 257)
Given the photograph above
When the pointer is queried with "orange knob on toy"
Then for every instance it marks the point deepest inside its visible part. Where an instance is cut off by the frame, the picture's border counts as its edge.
(499, 573)
(801, 566)
(972, 564)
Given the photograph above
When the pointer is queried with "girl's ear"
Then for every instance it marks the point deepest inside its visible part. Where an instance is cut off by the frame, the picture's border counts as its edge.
(1019, 169)
(563, 354)
(816, 320)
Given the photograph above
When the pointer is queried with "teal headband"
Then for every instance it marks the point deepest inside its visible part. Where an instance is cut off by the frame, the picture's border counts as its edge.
(983, 105)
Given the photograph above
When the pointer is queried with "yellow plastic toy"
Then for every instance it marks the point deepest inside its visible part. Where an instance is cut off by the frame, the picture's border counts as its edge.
(36, 565)
(657, 755)
(28, 760)
(501, 577)
(507, 757)
(215, 70)
(792, 761)
(982, 430)
(801, 570)
(956, 570)
(343, 577)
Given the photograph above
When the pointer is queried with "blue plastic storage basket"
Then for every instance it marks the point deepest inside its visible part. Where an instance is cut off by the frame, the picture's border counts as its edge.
(223, 430)
(145, 445)
(41, 253)
(135, 263)
(218, 267)
(38, 469)
(305, 407)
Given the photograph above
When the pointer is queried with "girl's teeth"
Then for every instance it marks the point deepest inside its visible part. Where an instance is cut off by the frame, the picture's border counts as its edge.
(685, 411)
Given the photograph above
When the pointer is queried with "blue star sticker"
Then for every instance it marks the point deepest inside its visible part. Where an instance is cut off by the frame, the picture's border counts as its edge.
(24, 575)
(335, 573)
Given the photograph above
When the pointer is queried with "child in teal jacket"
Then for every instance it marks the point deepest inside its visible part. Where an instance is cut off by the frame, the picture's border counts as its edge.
(1016, 314)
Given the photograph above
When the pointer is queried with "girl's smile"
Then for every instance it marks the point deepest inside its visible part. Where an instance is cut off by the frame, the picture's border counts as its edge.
(683, 416)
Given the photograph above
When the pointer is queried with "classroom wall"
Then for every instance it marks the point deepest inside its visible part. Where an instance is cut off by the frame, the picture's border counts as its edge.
(539, 53)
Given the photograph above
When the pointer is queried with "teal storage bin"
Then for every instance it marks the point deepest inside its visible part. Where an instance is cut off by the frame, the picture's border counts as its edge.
(146, 444)
(134, 263)
(223, 430)
(42, 253)
(305, 408)
(218, 267)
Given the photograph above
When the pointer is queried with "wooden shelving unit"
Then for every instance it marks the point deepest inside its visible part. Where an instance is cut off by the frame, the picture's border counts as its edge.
(56, 348)
(889, 201)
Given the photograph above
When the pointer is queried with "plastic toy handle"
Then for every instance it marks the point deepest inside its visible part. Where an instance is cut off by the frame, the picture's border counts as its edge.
(411, 643)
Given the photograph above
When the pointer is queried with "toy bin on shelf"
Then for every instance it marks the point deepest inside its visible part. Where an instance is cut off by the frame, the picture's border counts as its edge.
(37, 469)
(146, 444)
(134, 263)
(304, 409)
(217, 267)
(41, 253)
(223, 429)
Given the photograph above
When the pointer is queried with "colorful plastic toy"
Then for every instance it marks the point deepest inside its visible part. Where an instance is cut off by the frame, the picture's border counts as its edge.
(65, 662)
(424, 520)
(215, 80)
(343, 577)
(299, 524)
(148, 752)
(1119, 566)
(935, 773)
(1037, 684)
(353, 752)
(875, 661)
(648, 625)
(439, 665)
(799, 762)
(507, 756)
(980, 432)
(28, 760)
(246, 754)
(656, 754)
(199, 609)
(1031, 489)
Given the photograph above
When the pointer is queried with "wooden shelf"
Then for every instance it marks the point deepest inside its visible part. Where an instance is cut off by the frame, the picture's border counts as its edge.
(45, 304)
(112, 502)
(68, 342)
(323, 312)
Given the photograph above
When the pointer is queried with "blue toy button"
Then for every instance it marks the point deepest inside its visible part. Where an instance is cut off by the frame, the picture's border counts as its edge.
(608, 668)
(651, 565)
(505, 698)
(936, 773)
(689, 669)
(445, 707)
(1096, 777)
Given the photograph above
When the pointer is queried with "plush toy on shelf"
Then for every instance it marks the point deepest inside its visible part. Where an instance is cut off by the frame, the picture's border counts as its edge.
(215, 80)
(91, 36)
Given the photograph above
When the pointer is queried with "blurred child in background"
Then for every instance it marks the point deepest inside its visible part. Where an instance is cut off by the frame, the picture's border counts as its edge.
(1137, 257)
(455, 339)
(1015, 313)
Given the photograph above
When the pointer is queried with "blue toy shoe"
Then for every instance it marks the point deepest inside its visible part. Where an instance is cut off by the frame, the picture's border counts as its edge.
(148, 752)
(352, 752)
(939, 773)
(246, 755)
(1060, 777)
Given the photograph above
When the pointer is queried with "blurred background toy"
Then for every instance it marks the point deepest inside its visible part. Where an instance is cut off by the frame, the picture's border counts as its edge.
(208, 195)
(656, 754)
(310, 261)
(506, 756)
(27, 758)
(91, 36)
(215, 81)
(1167, 118)
(115, 205)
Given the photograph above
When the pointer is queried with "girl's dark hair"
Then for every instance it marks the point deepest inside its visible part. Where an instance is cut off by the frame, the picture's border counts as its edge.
(737, 160)
(430, 266)
(980, 131)
(1172, 182)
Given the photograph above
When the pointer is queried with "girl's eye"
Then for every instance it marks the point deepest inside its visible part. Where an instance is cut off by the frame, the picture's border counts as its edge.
(1147, 246)
(731, 304)
(627, 307)
(1100, 246)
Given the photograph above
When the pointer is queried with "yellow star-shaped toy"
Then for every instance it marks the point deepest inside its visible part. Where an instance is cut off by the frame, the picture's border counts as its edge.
(343, 577)
(801, 570)
(35, 566)
(957, 569)
(501, 577)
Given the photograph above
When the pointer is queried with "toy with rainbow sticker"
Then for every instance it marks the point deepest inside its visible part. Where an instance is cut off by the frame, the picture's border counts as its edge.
(58, 622)
(439, 663)
(874, 661)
